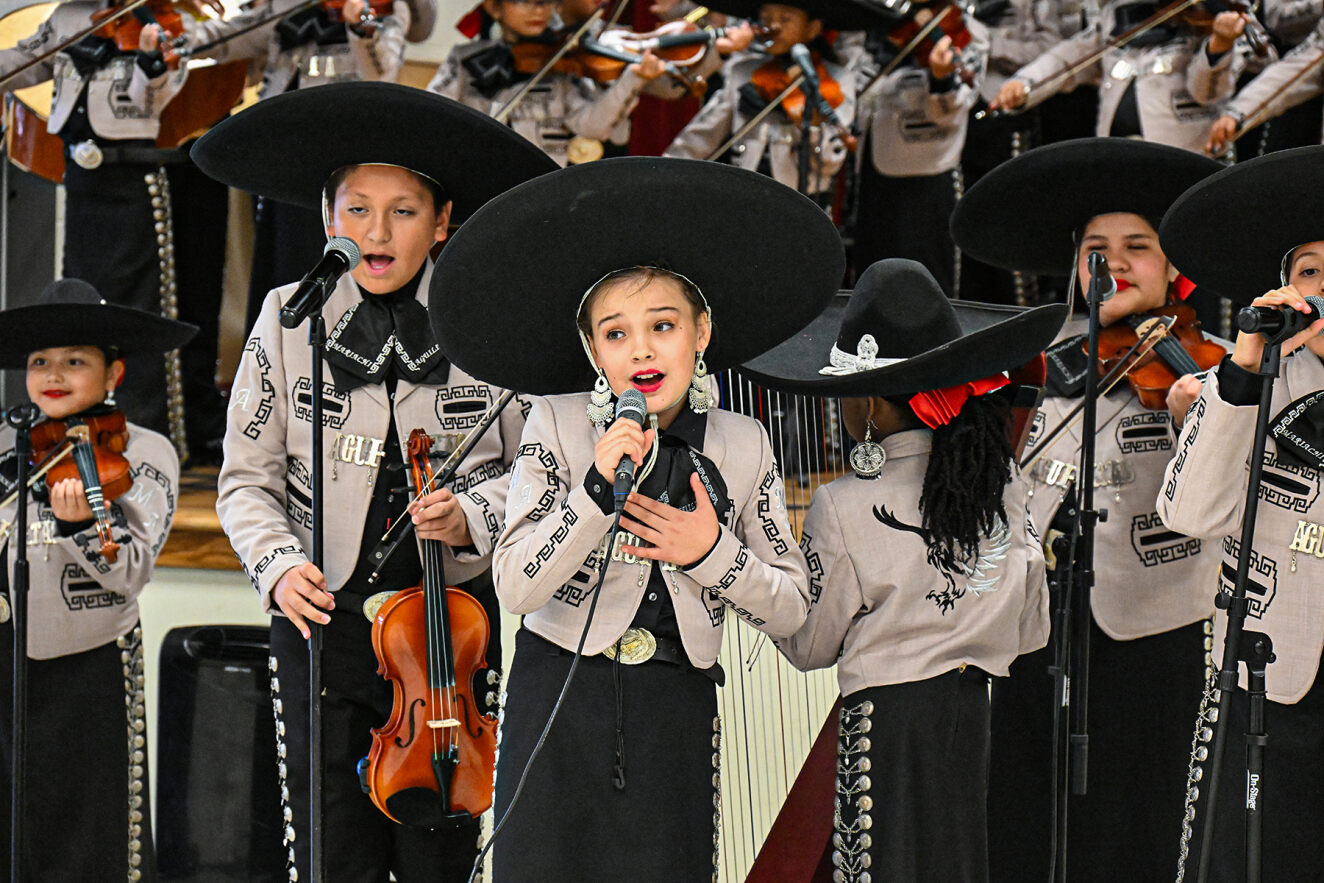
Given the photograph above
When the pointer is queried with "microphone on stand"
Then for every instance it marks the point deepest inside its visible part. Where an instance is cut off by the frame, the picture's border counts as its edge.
(339, 257)
(1275, 321)
(633, 406)
(800, 55)
(1102, 284)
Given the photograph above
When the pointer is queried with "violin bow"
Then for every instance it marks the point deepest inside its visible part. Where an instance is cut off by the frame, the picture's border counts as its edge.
(1259, 114)
(758, 117)
(66, 448)
(86, 32)
(673, 71)
(503, 114)
(1130, 359)
(905, 52)
(440, 476)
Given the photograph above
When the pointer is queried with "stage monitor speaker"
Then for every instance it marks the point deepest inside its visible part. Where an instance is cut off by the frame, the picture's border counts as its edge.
(217, 799)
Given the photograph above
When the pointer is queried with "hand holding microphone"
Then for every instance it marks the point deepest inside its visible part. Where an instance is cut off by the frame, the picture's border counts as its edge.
(625, 444)
(1281, 313)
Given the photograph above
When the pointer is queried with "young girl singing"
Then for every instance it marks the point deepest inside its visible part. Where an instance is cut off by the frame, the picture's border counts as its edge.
(627, 780)
(1204, 494)
(87, 812)
(1046, 212)
(392, 176)
(926, 574)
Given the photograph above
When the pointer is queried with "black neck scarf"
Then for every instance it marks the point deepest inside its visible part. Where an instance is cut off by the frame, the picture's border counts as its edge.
(678, 458)
(383, 330)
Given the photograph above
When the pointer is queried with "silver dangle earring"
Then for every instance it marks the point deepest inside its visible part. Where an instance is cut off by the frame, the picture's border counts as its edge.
(599, 407)
(700, 398)
(110, 398)
(867, 457)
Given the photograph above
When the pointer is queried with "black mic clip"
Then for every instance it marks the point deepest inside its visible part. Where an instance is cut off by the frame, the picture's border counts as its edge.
(1102, 285)
(23, 416)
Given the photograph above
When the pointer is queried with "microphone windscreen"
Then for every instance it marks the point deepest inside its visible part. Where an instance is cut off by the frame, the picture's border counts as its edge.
(633, 405)
(347, 247)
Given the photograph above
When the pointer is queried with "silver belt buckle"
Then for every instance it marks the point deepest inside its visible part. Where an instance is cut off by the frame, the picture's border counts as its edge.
(637, 645)
(373, 603)
(87, 155)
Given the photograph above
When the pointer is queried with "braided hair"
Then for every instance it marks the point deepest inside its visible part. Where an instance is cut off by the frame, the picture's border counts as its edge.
(969, 468)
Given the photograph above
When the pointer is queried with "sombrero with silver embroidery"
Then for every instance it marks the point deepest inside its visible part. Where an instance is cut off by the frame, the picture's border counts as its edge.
(508, 286)
(898, 334)
(1027, 213)
(287, 146)
(70, 312)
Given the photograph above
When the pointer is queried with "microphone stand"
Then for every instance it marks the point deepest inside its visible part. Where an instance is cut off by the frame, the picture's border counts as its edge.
(1071, 669)
(317, 856)
(21, 419)
(1254, 648)
(806, 133)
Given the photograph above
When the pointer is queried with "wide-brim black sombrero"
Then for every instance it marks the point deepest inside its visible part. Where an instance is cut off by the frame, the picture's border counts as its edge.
(1230, 232)
(928, 341)
(287, 146)
(1027, 213)
(70, 312)
(836, 15)
(507, 287)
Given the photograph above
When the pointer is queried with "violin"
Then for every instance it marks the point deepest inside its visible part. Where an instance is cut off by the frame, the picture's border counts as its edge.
(91, 449)
(599, 61)
(772, 79)
(1182, 350)
(1200, 18)
(369, 20)
(433, 760)
(925, 27)
(126, 30)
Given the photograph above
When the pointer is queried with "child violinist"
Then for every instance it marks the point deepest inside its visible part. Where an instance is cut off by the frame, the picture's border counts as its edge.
(750, 82)
(914, 106)
(1045, 212)
(1204, 493)
(1165, 85)
(85, 668)
(627, 780)
(565, 114)
(392, 177)
(928, 577)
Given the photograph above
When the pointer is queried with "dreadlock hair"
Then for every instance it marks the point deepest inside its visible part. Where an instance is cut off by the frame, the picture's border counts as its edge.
(969, 468)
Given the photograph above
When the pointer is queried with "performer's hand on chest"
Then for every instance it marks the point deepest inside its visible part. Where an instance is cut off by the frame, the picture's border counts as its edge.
(676, 535)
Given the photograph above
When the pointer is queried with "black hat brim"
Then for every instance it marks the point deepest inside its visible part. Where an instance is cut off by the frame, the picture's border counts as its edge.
(287, 146)
(1230, 231)
(507, 287)
(1026, 213)
(994, 338)
(836, 15)
(24, 330)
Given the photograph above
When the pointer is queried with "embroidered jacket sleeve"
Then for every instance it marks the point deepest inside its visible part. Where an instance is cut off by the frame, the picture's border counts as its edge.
(1026, 31)
(1276, 81)
(484, 500)
(1059, 58)
(1204, 485)
(835, 593)
(711, 126)
(252, 485)
(249, 44)
(757, 568)
(379, 56)
(1292, 20)
(48, 35)
(448, 80)
(1208, 82)
(552, 524)
(595, 112)
(146, 511)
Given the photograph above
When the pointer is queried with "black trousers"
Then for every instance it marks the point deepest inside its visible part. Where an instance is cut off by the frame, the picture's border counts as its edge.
(110, 240)
(362, 845)
(1143, 696)
(572, 822)
(907, 218)
(912, 777)
(87, 814)
(1291, 789)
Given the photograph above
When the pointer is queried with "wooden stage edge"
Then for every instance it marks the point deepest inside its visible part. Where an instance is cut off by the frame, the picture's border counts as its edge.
(196, 538)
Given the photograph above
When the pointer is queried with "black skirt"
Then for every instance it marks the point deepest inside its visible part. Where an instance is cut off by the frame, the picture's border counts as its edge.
(572, 821)
(912, 777)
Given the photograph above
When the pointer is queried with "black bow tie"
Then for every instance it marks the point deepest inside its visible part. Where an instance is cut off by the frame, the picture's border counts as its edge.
(378, 332)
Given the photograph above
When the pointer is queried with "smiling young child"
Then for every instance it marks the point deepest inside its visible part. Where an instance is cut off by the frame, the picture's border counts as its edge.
(85, 689)
(393, 177)
(625, 783)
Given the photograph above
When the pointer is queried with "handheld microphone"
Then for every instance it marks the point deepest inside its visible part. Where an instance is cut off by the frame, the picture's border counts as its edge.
(1102, 284)
(633, 406)
(1279, 321)
(339, 257)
